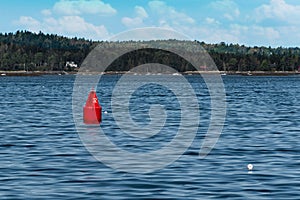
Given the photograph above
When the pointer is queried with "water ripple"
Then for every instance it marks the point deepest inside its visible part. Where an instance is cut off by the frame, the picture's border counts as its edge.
(42, 156)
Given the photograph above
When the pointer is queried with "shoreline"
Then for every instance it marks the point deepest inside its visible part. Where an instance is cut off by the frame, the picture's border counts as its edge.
(262, 73)
(34, 73)
(223, 73)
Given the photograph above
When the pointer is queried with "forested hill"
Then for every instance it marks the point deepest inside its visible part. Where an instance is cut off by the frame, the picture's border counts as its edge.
(29, 51)
(32, 52)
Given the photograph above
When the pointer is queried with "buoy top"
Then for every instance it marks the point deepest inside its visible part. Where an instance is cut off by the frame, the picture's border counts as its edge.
(92, 109)
(250, 167)
(92, 100)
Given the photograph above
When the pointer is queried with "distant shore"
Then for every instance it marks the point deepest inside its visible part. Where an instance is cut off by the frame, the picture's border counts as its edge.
(262, 73)
(33, 73)
(243, 73)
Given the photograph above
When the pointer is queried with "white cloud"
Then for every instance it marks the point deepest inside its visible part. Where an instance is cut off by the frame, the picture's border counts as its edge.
(214, 34)
(72, 26)
(46, 12)
(78, 7)
(229, 8)
(170, 15)
(29, 22)
(141, 14)
(211, 21)
(77, 25)
(279, 10)
(268, 33)
(70, 22)
(236, 33)
(162, 15)
(256, 35)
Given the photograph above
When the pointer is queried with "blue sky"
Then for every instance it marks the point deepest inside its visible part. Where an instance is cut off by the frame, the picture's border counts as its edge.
(253, 22)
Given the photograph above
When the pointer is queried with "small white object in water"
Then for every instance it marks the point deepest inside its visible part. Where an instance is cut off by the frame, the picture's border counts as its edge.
(250, 167)
(105, 112)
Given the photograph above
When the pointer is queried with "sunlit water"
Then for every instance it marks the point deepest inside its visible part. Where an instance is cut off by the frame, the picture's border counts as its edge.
(42, 157)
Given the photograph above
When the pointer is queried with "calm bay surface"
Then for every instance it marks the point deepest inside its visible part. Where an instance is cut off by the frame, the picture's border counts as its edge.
(42, 156)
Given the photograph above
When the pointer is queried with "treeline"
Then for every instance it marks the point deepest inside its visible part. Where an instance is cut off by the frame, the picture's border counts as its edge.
(234, 57)
(29, 51)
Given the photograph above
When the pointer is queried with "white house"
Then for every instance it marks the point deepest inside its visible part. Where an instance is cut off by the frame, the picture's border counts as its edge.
(71, 64)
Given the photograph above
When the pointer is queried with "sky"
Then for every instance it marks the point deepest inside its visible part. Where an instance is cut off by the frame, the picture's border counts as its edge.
(253, 22)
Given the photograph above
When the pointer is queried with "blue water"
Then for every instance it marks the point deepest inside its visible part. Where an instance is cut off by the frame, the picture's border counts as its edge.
(42, 156)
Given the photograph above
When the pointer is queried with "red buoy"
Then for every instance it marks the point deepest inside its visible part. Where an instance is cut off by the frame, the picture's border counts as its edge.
(92, 109)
